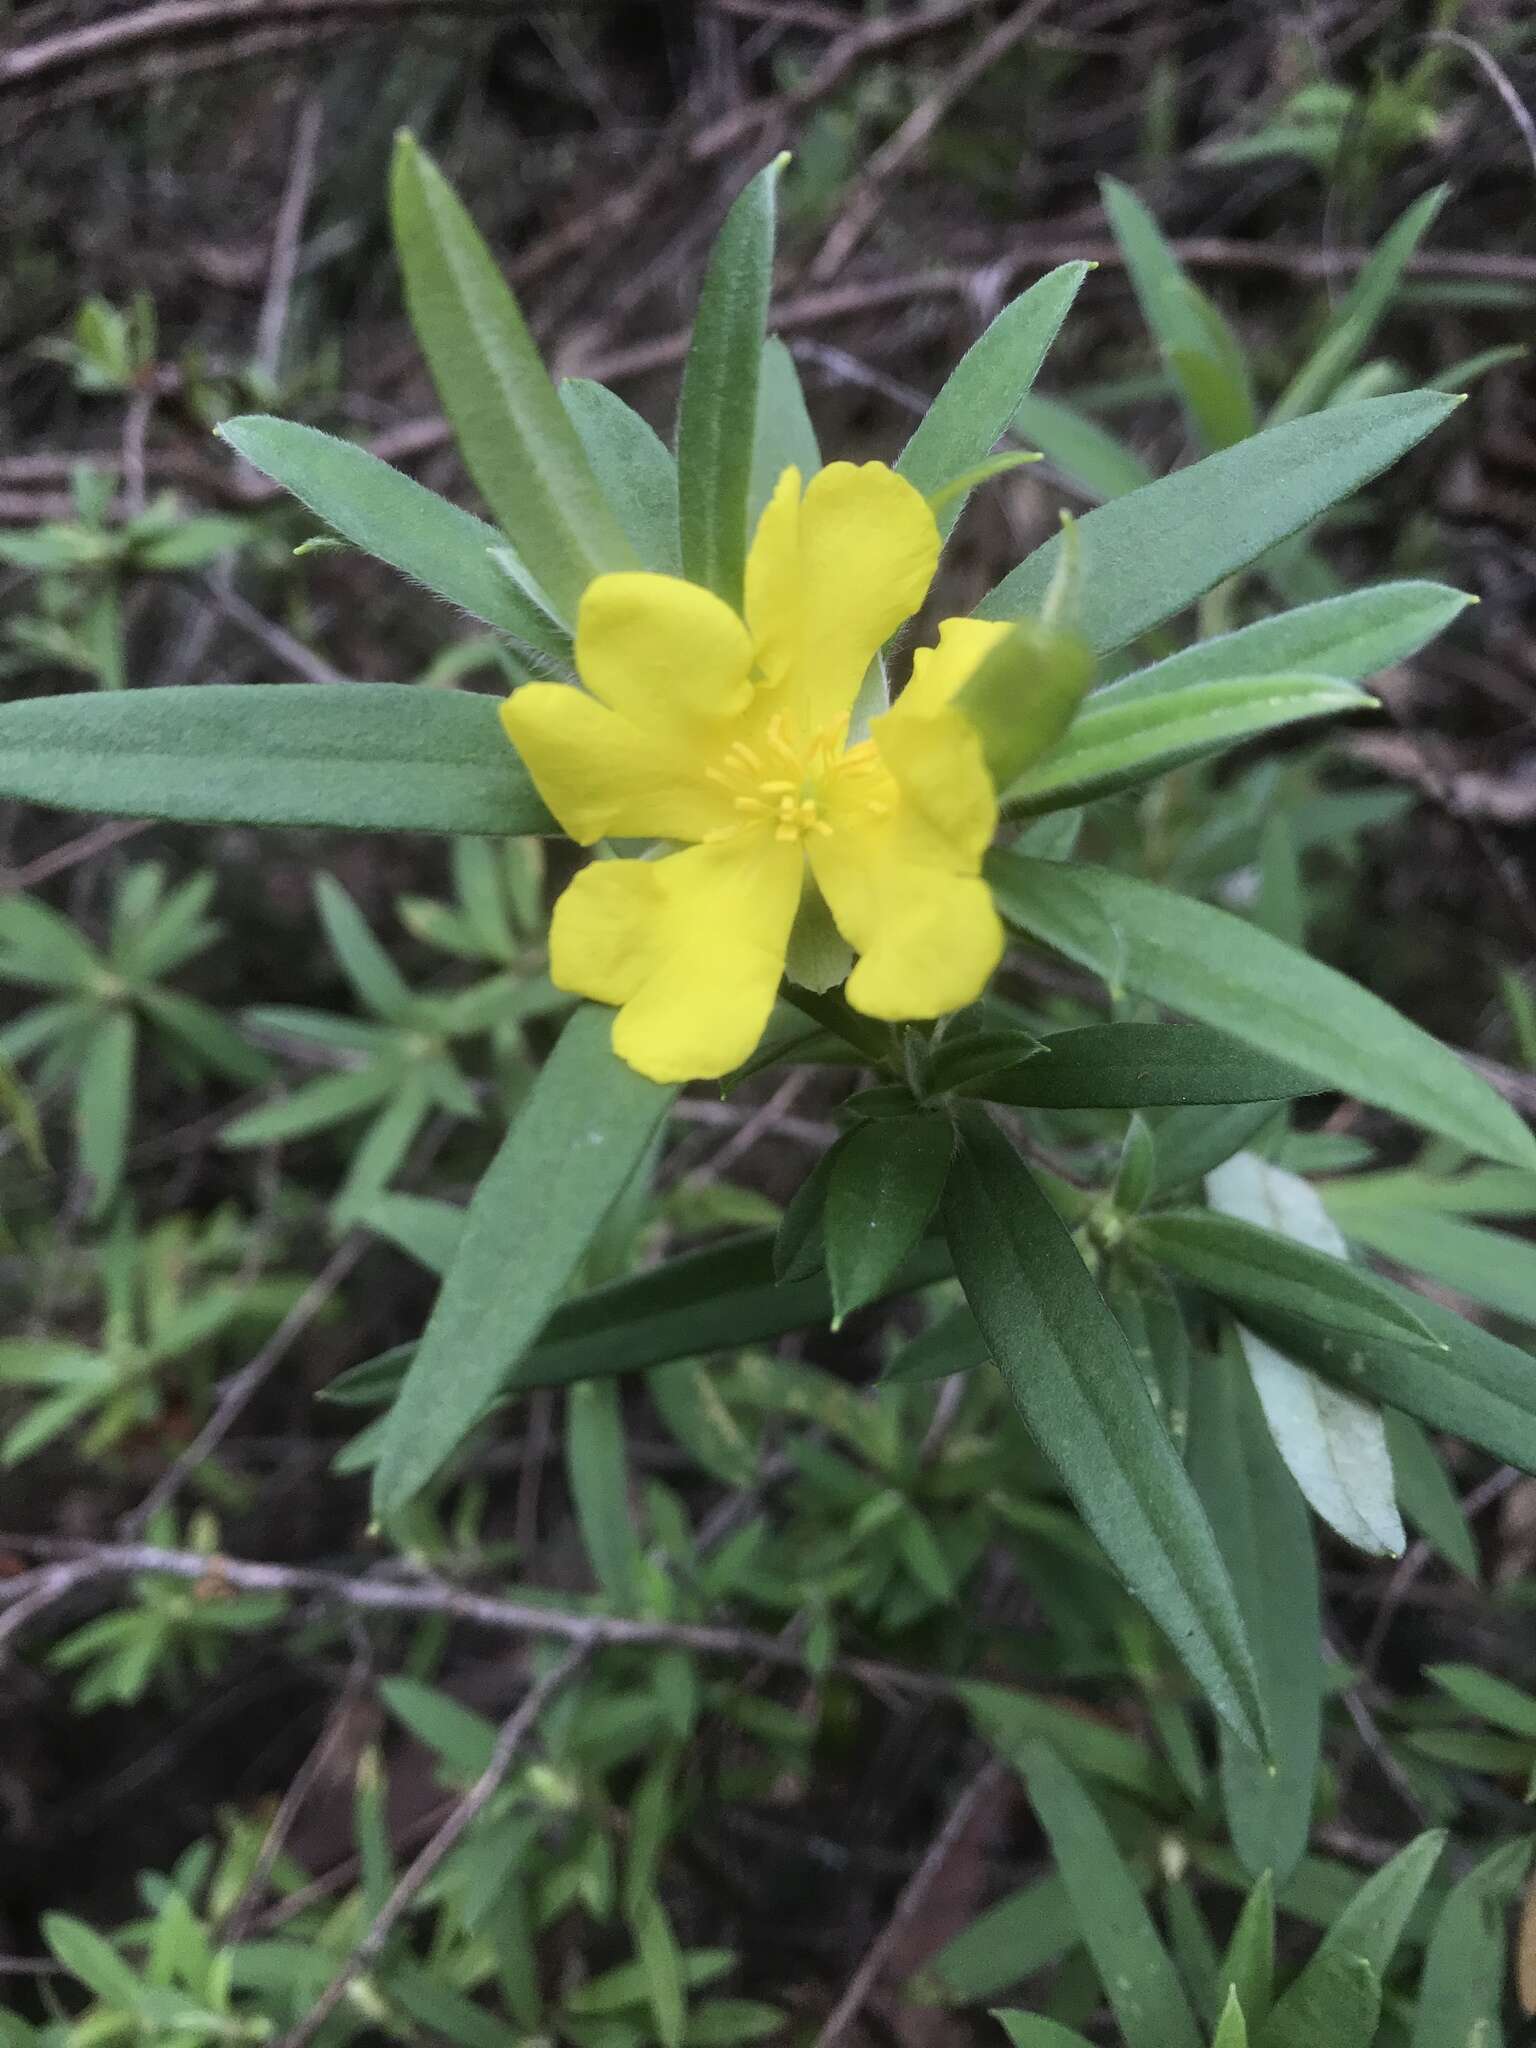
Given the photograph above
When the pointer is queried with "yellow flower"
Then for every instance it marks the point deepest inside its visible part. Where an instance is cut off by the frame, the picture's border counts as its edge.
(732, 737)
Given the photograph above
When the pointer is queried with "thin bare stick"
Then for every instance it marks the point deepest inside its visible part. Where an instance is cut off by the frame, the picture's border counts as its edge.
(236, 1923)
(286, 235)
(276, 639)
(171, 18)
(247, 1383)
(913, 1897)
(100, 839)
(874, 186)
(425, 1595)
(515, 1732)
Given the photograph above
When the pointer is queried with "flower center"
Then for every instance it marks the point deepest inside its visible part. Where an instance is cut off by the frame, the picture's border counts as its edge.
(779, 780)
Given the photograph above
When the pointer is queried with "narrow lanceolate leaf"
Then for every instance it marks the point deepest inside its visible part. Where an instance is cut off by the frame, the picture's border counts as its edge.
(1372, 1924)
(1149, 554)
(512, 430)
(578, 1138)
(1032, 2030)
(1462, 1989)
(1261, 1525)
(1086, 454)
(1428, 1500)
(1132, 1965)
(1334, 1443)
(986, 388)
(1201, 351)
(712, 1300)
(1213, 966)
(1479, 1388)
(1348, 638)
(1140, 1066)
(784, 437)
(1079, 1389)
(1251, 1268)
(1337, 2000)
(633, 465)
(598, 1472)
(717, 412)
(1488, 1266)
(392, 516)
(1114, 744)
(359, 757)
(104, 1107)
(885, 1184)
(1353, 321)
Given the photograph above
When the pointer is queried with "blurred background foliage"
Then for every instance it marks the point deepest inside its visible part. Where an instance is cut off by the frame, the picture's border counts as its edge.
(242, 1075)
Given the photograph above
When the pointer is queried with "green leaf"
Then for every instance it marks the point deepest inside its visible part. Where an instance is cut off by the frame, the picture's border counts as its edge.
(205, 1033)
(1262, 1527)
(1334, 1444)
(331, 1099)
(1348, 638)
(95, 1962)
(1011, 1720)
(1149, 554)
(42, 948)
(1487, 1266)
(1372, 1924)
(429, 1230)
(1021, 1934)
(1337, 1999)
(1250, 1268)
(885, 1184)
(578, 1138)
(1232, 2031)
(717, 411)
(104, 1108)
(1462, 1989)
(1425, 1494)
(1135, 1066)
(718, 1299)
(1489, 1698)
(784, 436)
(393, 517)
(1223, 971)
(1100, 466)
(1083, 1397)
(598, 1473)
(1248, 1967)
(513, 432)
(1479, 1388)
(1139, 1980)
(1115, 743)
(634, 467)
(986, 387)
(1200, 349)
(360, 757)
(1353, 321)
(465, 1740)
(1032, 2030)
(373, 975)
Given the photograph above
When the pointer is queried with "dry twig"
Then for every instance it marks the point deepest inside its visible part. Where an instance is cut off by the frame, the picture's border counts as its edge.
(515, 1733)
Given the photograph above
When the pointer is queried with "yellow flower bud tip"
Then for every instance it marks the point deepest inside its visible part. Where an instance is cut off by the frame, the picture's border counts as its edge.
(728, 736)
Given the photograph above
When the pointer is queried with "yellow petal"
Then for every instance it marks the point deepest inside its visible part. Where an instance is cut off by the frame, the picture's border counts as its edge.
(599, 774)
(939, 672)
(664, 653)
(928, 938)
(946, 795)
(831, 576)
(690, 947)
